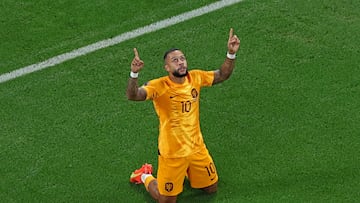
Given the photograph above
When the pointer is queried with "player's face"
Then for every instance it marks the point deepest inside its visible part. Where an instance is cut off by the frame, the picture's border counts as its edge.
(176, 64)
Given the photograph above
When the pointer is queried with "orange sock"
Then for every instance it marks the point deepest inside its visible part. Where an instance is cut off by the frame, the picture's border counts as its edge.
(147, 181)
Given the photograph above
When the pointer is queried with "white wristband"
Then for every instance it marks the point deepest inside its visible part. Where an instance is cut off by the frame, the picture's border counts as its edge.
(230, 56)
(134, 75)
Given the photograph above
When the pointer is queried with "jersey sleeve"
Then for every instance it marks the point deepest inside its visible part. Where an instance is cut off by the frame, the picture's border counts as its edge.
(153, 88)
(206, 77)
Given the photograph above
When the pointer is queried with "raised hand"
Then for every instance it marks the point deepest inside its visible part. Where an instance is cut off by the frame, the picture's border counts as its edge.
(233, 42)
(137, 64)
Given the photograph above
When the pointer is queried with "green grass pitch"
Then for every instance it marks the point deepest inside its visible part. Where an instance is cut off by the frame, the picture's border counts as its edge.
(284, 128)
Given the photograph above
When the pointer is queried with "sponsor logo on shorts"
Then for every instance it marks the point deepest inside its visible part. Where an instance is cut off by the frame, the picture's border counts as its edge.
(169, 186)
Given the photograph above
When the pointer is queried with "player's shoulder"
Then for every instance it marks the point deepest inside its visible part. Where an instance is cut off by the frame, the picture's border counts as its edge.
(157, 81)
(198, 71)
(195, 71)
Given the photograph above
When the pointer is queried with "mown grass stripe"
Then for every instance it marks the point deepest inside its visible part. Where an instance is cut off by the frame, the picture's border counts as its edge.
(116, 40)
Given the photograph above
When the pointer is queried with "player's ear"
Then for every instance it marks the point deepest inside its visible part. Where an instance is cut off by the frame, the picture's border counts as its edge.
(166, 67)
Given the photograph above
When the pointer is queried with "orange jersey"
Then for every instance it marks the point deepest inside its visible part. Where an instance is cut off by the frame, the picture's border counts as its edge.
(177, 106)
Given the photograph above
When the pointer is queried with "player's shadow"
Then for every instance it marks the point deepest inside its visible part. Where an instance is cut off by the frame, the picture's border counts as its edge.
(141, 190)
(189, 194)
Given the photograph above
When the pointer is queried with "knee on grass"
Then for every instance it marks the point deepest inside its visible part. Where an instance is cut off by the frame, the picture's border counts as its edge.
(211, 189)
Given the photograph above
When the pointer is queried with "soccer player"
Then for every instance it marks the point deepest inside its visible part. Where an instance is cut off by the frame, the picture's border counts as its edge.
(181, 149)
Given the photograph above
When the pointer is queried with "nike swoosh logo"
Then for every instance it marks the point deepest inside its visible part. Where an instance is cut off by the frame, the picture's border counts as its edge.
(134, 175)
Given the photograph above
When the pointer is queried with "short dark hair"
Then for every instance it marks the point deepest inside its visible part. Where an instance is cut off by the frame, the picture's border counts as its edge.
(169, 51)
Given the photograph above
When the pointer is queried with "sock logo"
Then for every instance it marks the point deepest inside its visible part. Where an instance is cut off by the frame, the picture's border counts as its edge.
(169, 186)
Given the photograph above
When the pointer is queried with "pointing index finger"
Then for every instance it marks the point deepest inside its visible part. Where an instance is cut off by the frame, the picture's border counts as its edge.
(231, 33)
(136, 53)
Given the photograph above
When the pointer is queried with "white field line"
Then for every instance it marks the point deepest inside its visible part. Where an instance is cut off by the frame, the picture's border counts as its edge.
(116, 40)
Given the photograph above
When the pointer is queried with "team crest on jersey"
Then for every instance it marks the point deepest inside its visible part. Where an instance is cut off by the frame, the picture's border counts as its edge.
(194, 93)
(169, 186)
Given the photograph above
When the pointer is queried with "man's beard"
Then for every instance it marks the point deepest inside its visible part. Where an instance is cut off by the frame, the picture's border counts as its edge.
(178, 75)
